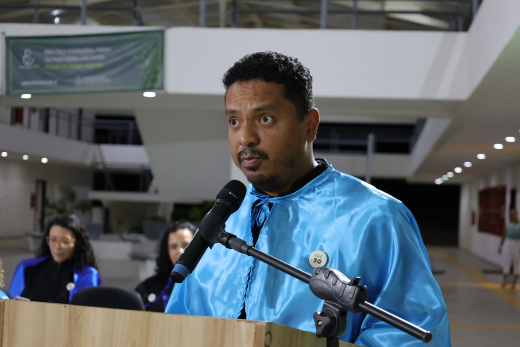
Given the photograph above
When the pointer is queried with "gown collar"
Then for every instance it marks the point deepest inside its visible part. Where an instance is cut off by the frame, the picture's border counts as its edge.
(259, 195)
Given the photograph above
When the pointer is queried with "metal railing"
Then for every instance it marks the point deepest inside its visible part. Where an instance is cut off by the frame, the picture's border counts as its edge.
(109, 179)
(64, 123)
(114, 131)
(83, 7)
(458, 16)
(73, 125)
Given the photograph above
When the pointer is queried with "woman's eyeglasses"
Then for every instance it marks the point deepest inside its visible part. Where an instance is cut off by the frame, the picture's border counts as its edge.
(174, 246)
(65, 241)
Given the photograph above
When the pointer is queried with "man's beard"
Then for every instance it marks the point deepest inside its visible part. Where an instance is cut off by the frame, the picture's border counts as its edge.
(269, 183)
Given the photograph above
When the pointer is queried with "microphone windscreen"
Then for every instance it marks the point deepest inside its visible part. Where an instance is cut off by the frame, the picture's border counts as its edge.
(233, 192)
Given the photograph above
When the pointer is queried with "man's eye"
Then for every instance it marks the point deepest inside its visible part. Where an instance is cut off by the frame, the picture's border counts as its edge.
(233, 122)
(266, 119)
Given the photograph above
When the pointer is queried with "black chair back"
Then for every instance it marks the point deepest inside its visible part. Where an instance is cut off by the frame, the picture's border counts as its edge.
(108, 297)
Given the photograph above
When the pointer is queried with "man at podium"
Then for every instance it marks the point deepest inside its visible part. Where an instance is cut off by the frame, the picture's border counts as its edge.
(297, 206)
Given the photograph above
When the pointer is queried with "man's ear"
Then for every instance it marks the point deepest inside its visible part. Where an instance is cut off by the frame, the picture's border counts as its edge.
(313, 121)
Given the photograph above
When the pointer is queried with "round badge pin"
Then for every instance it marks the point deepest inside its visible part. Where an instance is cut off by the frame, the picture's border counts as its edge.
(318, 259)
(152, 297)
(70, 286)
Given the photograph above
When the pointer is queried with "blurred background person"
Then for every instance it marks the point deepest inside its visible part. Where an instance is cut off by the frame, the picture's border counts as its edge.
(511, 244)
(64, 264)
(156, 289)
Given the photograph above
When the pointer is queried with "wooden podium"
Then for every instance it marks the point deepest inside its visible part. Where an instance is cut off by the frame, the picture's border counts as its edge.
(34, 324)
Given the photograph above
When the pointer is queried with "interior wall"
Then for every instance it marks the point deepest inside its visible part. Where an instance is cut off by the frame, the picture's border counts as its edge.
(17, 183)
(129, 216)
(5, 115)
(34, 143)
(484, 245)
(365, 64)
(188, 151)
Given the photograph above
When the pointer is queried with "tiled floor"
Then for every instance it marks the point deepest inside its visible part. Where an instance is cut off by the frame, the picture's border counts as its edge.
(480, 312)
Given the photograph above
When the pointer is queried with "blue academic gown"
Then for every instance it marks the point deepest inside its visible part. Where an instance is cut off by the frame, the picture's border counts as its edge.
(3, 295)
(89, 277)
(364, 232)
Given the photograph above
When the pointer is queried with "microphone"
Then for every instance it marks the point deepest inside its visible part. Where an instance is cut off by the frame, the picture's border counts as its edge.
(227, 202)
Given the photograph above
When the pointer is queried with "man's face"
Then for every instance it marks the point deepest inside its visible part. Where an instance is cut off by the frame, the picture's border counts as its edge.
(268, 141)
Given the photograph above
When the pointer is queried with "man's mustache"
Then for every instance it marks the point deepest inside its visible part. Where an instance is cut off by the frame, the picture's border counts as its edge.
(251, 152)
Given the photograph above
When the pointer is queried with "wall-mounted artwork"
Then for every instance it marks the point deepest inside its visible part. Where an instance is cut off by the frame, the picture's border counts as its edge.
(491, 210)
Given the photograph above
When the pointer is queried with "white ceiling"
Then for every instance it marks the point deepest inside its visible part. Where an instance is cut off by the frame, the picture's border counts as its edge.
(490, 114)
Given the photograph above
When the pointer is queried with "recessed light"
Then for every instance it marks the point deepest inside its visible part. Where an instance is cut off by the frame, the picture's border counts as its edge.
(450, 174)
(25, 157)
(510, 139)
(4, 154)
(445, 177)
(45, 160)
(467, 164)
(149, 94)
(458, 170)
(25, 96)
(498, 146)
(57, 12)
(438, 181)
(481, 156)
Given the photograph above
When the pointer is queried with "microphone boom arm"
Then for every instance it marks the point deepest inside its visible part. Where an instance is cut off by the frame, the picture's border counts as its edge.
(340, 294)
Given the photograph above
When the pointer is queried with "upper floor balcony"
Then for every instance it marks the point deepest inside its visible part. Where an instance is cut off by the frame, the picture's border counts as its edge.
(438, 15)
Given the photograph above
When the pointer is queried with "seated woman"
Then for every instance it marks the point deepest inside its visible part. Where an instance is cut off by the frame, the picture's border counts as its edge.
(65, 264)
(156, 290)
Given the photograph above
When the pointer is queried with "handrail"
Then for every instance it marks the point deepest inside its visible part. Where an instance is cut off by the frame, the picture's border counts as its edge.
(72, 125)
(460, 15)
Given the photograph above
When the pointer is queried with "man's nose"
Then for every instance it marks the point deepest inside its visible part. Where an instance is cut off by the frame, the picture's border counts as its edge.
(249, 135)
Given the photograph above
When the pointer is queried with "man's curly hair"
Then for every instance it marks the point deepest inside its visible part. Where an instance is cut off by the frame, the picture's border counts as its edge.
(273, 67)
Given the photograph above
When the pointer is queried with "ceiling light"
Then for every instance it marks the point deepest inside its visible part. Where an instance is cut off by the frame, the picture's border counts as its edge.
(510, 139)
(25, 96)
(57, 20)
(445, 177)
(57, 12)
(149, 94)
(498, 146)
(458, 170)
(25, 157)
(467, 164)
(481, 156)
(438, 181)
(45, 160)
(450, 174)
(4, 154)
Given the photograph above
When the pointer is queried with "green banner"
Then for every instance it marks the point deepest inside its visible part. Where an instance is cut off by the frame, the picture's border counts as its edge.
(86, 63)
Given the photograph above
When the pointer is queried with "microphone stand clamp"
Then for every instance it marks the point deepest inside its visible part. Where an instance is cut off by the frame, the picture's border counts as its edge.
(341, 295)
